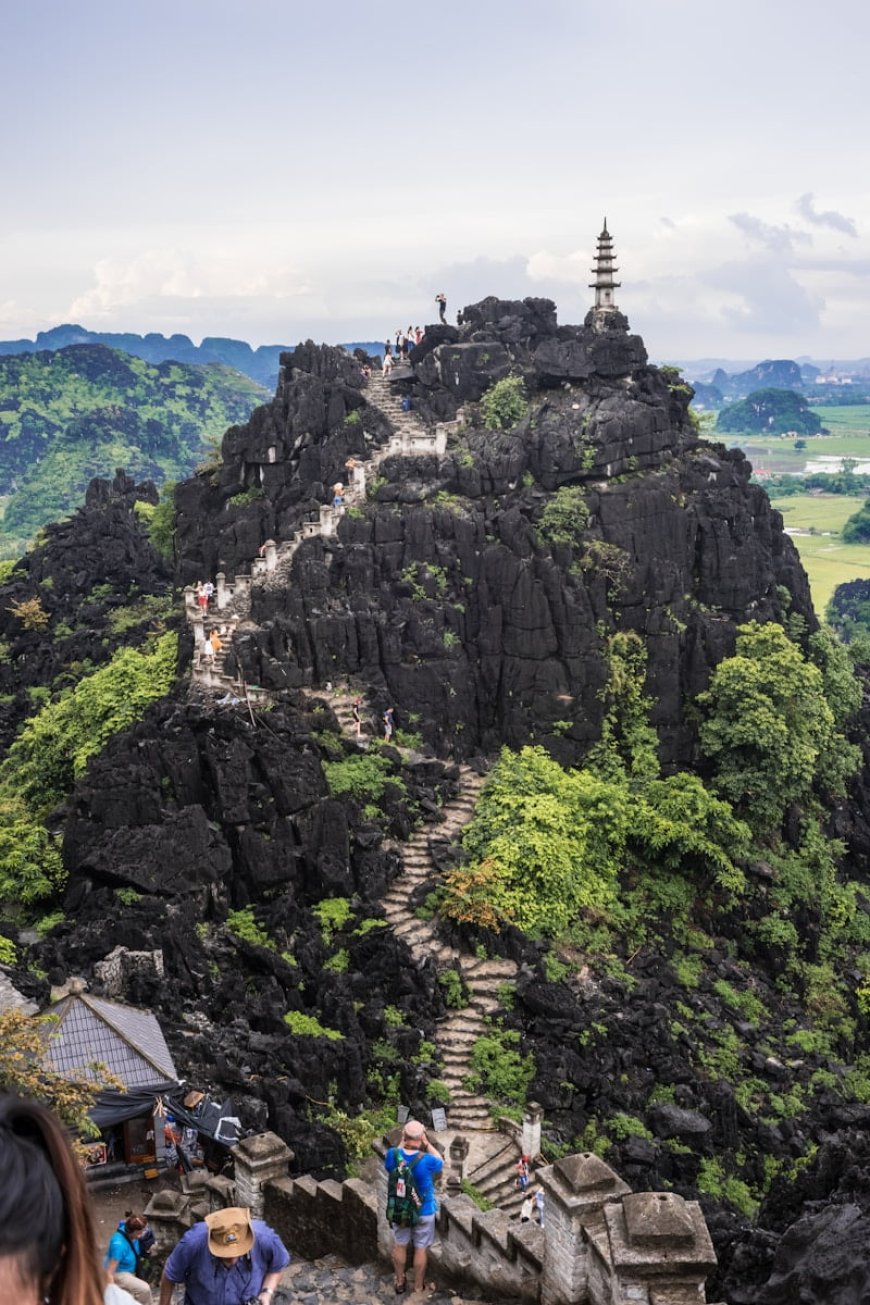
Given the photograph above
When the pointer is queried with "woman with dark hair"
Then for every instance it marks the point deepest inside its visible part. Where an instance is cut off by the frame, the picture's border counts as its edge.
(47, 1246)
(124, 1255)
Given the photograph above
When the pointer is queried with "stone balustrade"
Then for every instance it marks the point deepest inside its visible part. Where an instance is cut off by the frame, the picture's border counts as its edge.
(600, 1243)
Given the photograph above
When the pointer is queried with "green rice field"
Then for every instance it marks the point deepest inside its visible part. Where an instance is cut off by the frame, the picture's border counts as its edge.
(826, 560)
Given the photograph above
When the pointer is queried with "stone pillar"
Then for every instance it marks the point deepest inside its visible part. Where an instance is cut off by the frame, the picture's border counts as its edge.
(168, 1213)
(258, 566)
(271, 454)
(198, 632)
(259, 1160)
(358, 480)
(440, 443)
(576, 1191)
(533, 1116)
(222, 594)
(660, 1249)
(190, 608)
(327, 521)
(270, 552)
(458, 1152)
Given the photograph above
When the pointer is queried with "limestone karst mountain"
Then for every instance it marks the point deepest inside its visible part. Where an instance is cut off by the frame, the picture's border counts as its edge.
(545, 493)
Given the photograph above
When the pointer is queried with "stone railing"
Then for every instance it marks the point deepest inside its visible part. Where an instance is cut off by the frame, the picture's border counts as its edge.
(600, 1243)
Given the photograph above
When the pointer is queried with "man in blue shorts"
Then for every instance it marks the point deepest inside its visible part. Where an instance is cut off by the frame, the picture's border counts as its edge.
(415, 1146)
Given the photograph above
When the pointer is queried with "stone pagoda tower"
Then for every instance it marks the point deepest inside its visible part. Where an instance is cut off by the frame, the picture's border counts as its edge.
(604, 284)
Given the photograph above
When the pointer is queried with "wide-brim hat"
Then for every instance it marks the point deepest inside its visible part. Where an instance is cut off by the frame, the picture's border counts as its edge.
(230, 1233)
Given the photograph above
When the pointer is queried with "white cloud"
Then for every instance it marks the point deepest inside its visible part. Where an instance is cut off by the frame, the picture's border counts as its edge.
(175, 273)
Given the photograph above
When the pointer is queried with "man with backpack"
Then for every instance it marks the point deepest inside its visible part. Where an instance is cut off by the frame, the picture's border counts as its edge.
(412, 1168)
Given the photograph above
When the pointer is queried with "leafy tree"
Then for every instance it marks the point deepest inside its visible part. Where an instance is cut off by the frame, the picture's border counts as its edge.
(552, 839)
(23, 1072)
(857, 528)
(628, 743)
(565, 517)
(31, 613)
(769, 729)
(504, 404)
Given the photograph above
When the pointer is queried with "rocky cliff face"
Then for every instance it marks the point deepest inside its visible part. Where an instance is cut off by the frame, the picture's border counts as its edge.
(86, 571)
(447, 593)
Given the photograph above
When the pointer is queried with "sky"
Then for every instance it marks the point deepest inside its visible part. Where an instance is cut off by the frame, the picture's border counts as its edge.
(274, 170)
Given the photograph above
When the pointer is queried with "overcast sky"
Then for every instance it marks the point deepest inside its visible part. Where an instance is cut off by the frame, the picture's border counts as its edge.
(270, 169)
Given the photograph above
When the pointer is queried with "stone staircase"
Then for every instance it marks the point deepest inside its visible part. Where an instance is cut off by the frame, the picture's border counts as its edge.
(492, 1156)
(231, 607)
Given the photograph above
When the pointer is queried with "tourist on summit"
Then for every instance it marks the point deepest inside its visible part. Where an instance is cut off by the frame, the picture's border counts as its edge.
(523, 1173)
(441, 301)
(124, 1255)
(202, 596)
(228, 1259)
(387, 365)
(48, 1251)
(416, 1153)
(208, 590)
(418, 335)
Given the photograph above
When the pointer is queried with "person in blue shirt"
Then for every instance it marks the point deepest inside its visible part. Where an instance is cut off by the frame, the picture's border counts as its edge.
(416, 1144)
(122, 1258)
(227, 1259)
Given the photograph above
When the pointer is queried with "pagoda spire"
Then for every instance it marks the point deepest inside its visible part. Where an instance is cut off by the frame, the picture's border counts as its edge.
(604, 271)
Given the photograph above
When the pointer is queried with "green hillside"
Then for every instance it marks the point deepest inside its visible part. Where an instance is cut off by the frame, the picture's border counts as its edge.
(80, 412)
(770, 412)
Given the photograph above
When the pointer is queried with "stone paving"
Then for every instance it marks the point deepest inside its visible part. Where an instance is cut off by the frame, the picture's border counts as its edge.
(332, 1282)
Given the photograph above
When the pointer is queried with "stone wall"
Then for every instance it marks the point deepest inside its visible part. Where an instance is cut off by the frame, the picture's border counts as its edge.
(600, 1243)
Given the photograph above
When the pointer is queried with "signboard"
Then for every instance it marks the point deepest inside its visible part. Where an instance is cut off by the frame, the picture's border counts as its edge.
(402, 1114)
(439, 1119)
(96, 1153)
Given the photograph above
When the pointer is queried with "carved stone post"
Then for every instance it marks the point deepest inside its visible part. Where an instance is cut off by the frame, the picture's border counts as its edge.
(270, 552)
(327, 521)
(576, 1191)
(190, 607)
(221, 594)
(168, 1213)
(533, 1115)
(658, 1242)
(259, 1160)
(458, 1152)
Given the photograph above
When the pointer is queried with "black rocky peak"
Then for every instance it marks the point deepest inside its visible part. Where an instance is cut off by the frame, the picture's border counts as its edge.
(452, 590)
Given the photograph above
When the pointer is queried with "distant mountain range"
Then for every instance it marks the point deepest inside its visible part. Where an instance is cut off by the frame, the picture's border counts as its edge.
(260, 364)
(74, 413)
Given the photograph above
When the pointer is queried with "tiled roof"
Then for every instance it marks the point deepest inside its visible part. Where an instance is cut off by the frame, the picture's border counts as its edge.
(127, 1041)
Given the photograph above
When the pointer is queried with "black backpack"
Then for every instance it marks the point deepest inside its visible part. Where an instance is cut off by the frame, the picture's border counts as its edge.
(403, 1199)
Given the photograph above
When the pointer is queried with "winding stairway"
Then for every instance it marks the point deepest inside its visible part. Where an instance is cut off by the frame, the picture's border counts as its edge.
(490, 1166)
